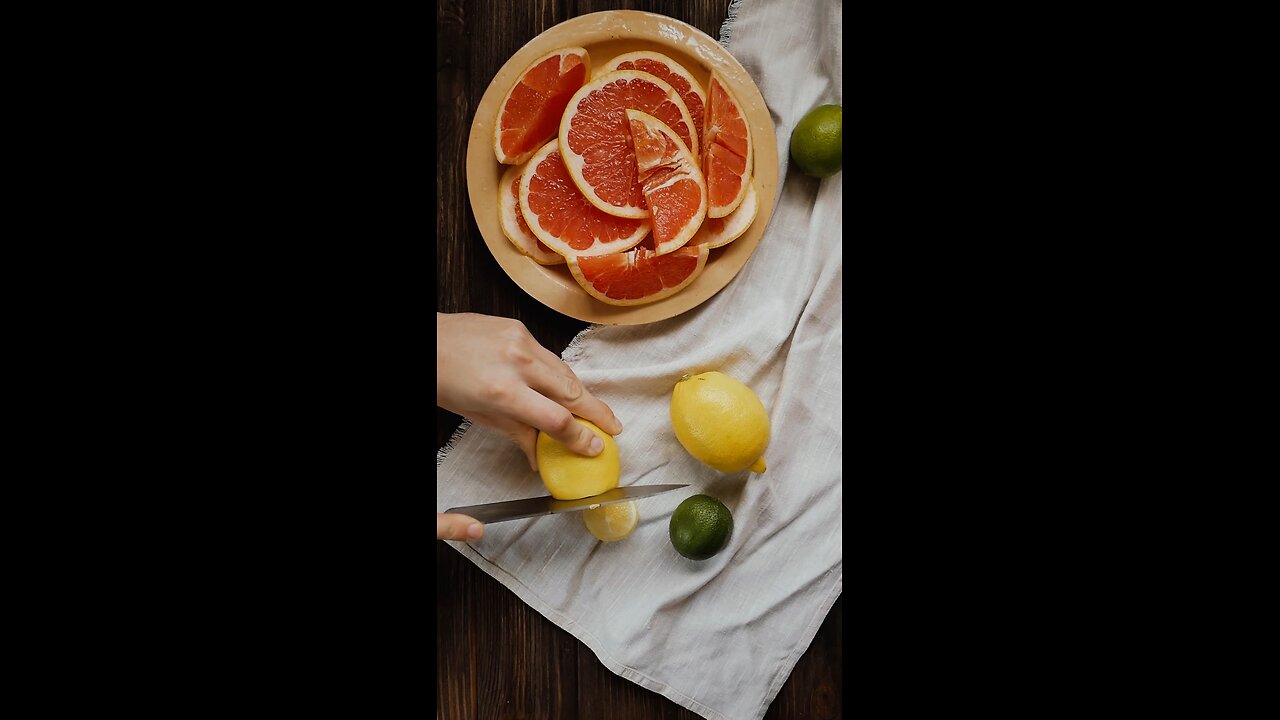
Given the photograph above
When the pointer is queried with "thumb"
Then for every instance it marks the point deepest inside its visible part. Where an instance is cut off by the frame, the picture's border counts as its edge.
(458, 527)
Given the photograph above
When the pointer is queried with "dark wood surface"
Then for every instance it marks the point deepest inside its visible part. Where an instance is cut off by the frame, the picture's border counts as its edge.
(497, 657)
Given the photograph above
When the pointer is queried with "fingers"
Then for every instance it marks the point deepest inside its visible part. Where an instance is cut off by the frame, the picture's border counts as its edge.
(525, 437)
(558, 382)
(554, 419)
(528, 389)
(526, 411)
(452, 526)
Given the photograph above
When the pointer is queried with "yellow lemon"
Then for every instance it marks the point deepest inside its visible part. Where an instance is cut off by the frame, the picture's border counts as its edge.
(720, 422)
(568, 475)
(612, 522)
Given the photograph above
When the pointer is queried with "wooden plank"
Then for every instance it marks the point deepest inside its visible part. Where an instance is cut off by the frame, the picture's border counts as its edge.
(524, 665)
(453, 122)
(455, 635)
(814, 689)
(602, 694)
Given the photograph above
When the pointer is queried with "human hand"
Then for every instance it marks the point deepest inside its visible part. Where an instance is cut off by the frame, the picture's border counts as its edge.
(491, 370)
(452, 526)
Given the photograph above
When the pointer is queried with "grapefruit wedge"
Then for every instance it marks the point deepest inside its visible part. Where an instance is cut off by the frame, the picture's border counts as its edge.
(726, 149)
(513, 224)
(559, 216)
(673, 186)
(675, 75)
(595, 138)
(716, 232)
(638, 276)
(530, 113)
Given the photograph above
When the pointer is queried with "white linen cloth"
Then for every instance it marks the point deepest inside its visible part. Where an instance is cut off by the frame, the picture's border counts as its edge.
(719, 637)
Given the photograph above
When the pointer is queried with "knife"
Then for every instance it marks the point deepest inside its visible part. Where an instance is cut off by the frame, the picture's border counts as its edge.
(547, 505)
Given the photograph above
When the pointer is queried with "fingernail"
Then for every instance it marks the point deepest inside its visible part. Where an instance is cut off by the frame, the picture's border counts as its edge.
(617, 423)
(596, 445)
(475, 531)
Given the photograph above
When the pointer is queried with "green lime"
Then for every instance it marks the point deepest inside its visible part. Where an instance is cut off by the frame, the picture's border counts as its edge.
(816, 143)
(700, 527)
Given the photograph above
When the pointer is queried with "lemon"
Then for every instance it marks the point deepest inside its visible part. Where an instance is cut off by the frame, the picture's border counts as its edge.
(568, 475)
(816, 142)
(612, 522)
(720, 422)
(700, 527)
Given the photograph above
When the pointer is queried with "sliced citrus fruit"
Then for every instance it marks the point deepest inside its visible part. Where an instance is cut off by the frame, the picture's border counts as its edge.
(513, 224)
(640, 275)
(530, 113)
(726, 149)
(673, 186)
(614, 522)
(595, 138)
(559, 216)
(716, 232)
(657, 64)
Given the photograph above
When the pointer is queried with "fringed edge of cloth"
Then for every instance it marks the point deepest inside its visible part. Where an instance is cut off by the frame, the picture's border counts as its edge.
(726, 28)
(453, 440)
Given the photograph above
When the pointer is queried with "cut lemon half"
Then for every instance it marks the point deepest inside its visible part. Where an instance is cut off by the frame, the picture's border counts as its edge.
(612, 522)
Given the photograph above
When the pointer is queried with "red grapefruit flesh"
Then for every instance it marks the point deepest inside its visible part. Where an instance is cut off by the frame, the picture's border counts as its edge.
(595, 138)
(513, 224)
(530, 113)
(559, 216)
(638, 276)
(673, 186)
(717, 232)
(726, 149)
(659, 65)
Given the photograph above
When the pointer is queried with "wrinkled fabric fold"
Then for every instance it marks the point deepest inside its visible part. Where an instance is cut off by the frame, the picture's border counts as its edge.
(721, 636)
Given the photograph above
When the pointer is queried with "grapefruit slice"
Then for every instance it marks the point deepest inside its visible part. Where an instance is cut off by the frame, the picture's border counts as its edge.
(530, 113)
(673, 186)
(595, 138)
(716, 232)
(726, 149)
(638, 276)
(513, 224)
(659, 65)
(559, 216)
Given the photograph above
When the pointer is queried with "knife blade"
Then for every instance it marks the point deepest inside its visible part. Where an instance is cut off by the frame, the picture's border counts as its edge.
(547, 505)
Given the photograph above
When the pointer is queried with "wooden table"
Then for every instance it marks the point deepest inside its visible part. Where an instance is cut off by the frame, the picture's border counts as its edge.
(497, 657)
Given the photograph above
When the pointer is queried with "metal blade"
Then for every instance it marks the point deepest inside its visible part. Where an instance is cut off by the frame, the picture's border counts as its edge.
(547, 505)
